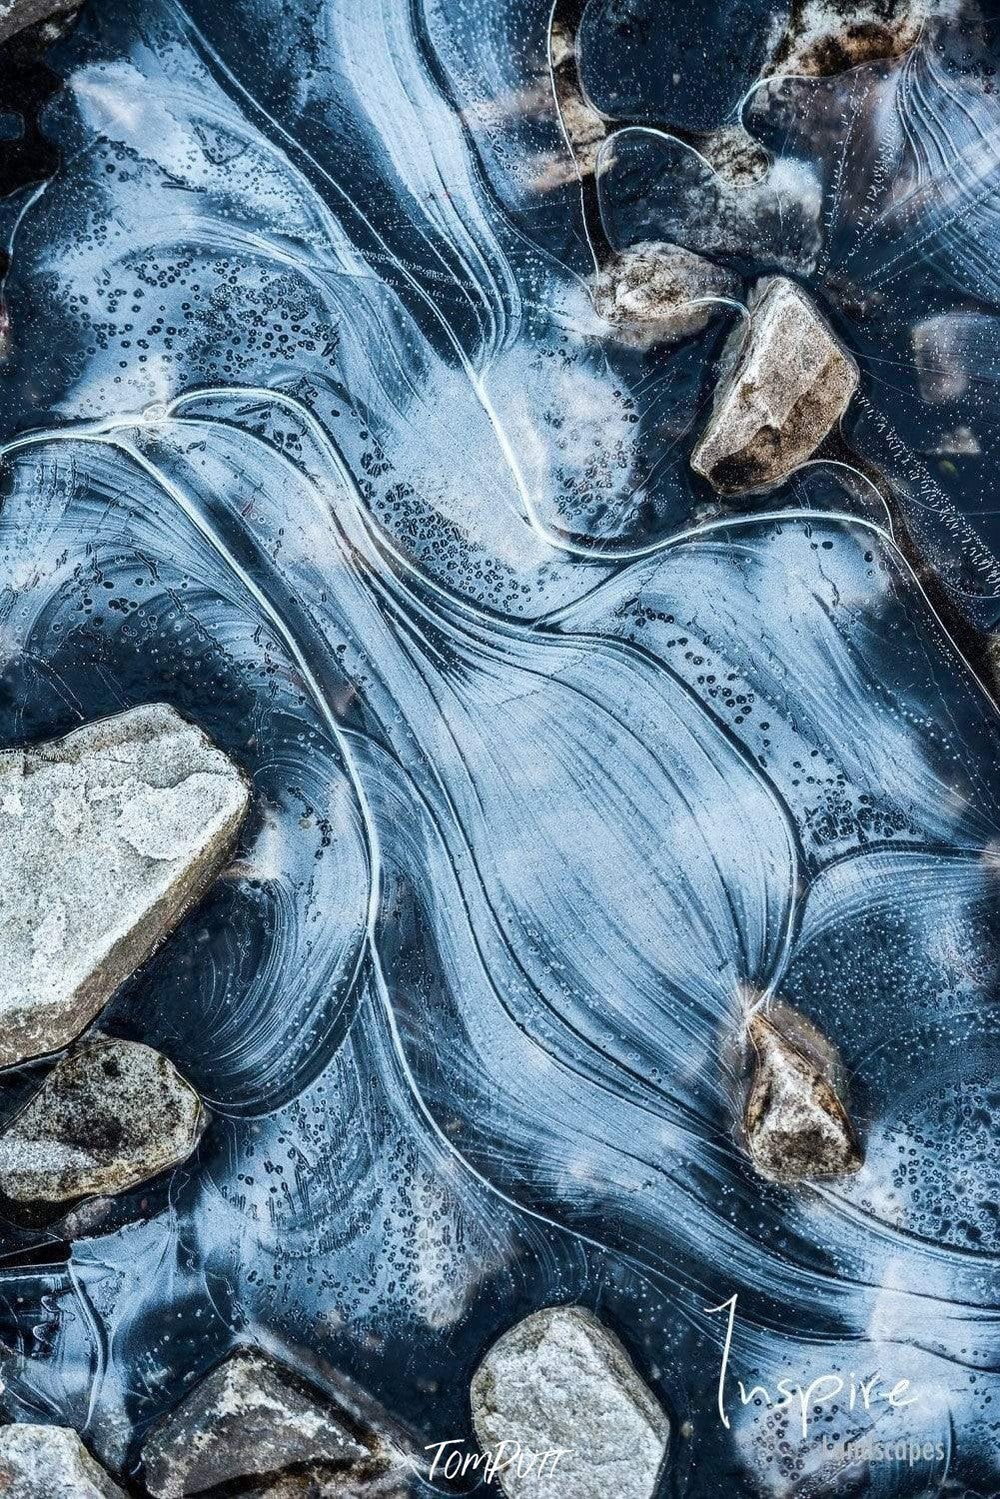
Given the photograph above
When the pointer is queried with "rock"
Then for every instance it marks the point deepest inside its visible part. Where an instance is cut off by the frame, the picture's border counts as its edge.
(330, 1483)
(651, 292)
(725, 205)
(948, 350)
(797, 1124)
(50, 1462)
(18, 15)
(825, 37)
(732, 152)
(248, 1417)
(785, 382)
(107, 837)
(110, 1116)
(561, 1380)
(585, 127)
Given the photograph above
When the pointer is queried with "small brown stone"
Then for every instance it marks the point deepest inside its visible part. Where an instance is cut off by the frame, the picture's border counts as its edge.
(659, 293)
(785, 382)
(797, 1125)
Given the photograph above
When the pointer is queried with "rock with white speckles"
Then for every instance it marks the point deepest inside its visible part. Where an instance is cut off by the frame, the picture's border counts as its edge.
(107, 837)
(50, 1462)
(660, 293)
(112, 1115)
(797, 1124)
(560, 1380)
(786, 381)
(250, 1416)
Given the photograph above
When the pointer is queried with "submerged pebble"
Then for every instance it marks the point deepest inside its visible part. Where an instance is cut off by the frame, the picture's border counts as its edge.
(660, 293)
(798, 1128)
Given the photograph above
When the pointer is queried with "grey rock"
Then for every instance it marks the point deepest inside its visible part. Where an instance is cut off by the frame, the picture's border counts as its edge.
(797, 1124)
(248, 1417)
(113, 1114)
(50, 1462)
(18, 15)
(785, 382)
(107, 837)
(660, 293)
(824, 37)
(559, 1379)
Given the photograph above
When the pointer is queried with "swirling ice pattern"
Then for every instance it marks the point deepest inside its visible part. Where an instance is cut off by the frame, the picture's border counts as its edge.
(555, 774)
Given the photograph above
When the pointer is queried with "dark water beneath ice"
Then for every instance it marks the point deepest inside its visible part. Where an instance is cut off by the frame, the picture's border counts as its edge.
(312, 432)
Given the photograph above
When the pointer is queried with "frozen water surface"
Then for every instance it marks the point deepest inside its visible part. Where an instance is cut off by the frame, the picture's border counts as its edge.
(560, 765)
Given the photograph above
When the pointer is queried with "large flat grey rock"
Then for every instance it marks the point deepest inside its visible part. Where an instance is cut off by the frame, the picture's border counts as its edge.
(107, 837)
(50, 1462)
(248, 1417)
(559, 1379)
(797, 1124)
(785, 382)
(111, 1115)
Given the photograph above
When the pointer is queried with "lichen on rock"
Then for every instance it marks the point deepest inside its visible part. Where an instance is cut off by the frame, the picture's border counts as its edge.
(50, 1462)
(249, 1416)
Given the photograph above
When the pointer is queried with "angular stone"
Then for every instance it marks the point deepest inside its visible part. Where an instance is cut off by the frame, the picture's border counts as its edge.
(786, 381)
(248, 1417)
(50, 1462)
(18, 15)
(797, 1125)
(656, 293)
(107, 837)
(559, 1379)
(825, 37)
(107, 1117)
